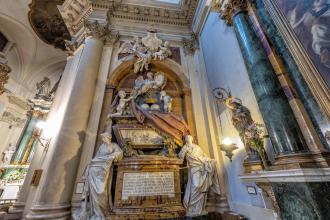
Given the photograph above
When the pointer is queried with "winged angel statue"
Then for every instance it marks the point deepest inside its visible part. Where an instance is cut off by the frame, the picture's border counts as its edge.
(145, 49)
(152, 82)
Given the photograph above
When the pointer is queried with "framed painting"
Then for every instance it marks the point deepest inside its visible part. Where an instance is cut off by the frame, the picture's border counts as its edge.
(305, 27)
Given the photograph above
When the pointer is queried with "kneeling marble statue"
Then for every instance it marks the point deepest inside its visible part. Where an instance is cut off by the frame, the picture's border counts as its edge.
(96, 198)
(202, 178)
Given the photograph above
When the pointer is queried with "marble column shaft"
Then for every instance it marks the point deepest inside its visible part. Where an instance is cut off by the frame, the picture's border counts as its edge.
(26, 138)
(279, 119)
(317, 116)
(53, 199)
(295, 102)
(26, 194)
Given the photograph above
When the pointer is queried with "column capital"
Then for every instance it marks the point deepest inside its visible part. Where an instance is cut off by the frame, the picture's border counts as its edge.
(229, 8)
(190, 45)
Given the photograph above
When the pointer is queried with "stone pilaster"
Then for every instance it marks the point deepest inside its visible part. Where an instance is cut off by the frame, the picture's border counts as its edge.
(88, 147)
(53, 197)
(279, 119)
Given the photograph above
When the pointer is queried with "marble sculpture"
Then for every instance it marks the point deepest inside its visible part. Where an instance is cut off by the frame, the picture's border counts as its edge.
(202, 178)
(96, 198)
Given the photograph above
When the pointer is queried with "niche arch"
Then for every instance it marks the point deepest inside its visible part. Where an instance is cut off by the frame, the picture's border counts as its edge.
(178, 87)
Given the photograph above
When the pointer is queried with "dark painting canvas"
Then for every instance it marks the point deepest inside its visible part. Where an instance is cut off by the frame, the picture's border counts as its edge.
(310, 20)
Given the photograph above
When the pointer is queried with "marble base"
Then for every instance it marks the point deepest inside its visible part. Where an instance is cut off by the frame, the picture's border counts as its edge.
(251, 166)
(151, 206)
(296, 193)
(302, 160)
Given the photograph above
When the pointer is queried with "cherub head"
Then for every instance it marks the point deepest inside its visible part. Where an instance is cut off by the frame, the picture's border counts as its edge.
(122, 94)
(167, 44)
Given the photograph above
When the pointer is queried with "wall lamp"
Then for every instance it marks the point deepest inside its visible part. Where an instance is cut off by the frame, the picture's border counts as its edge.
(228, 147)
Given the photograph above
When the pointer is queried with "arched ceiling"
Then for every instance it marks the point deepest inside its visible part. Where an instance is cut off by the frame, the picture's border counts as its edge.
(47, 22)
(30, 58)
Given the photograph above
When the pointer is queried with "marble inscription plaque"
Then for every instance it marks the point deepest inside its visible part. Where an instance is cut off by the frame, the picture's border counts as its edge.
(148, 184)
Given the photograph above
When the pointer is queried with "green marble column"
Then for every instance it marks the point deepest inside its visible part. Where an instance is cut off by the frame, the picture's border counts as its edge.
(279, 119)
(24, 141)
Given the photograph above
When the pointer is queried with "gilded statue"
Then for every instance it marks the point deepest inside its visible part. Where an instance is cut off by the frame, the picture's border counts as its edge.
(202, 178)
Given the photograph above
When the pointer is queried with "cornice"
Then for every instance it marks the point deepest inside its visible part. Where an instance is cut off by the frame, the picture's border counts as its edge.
(75, 12)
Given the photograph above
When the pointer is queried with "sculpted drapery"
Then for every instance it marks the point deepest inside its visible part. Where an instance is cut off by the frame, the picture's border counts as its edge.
(96, 196)
(202, 178)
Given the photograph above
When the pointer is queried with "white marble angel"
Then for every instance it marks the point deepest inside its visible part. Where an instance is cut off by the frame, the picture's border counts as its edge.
(167, 100)
(143, 86)
(164, 52)
(96, 198)
(202, 178)
(122, 104)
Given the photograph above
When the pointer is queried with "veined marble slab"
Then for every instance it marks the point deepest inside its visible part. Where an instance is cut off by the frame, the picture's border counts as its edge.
(294, 175)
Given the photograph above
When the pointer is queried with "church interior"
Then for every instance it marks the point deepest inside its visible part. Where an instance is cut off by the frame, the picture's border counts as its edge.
(165, 109)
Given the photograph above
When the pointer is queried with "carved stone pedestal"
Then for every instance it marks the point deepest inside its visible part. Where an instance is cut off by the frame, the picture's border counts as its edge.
(296, 193)
(148, 187)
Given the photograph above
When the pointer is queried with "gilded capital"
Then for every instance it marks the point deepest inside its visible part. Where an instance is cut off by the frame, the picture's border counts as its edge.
(229, 8)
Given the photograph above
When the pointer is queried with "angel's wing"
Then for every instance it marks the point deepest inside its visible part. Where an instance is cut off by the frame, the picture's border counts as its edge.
(139, 82)
(126, 47)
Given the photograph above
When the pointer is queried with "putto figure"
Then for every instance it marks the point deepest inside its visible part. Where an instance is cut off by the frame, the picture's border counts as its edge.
(122, 104)
(96, 198)
(167, 101)
(202, 178)
(144, 50)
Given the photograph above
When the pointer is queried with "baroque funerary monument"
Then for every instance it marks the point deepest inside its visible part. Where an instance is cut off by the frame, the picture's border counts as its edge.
(165, 109)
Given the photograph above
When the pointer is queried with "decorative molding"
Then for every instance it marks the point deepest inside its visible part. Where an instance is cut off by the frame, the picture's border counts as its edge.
(74, 14)
(292, 175)
(190, 45)
(4, 72)
(304, 63)
(19, 102)
(13, 118)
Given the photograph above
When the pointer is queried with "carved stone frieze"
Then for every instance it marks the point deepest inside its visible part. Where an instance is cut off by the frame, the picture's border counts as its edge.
(19, 102)
(74, 13)
(229, 8)
(190, 45)
(4, 72)
(103, 32)
(12, 117)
